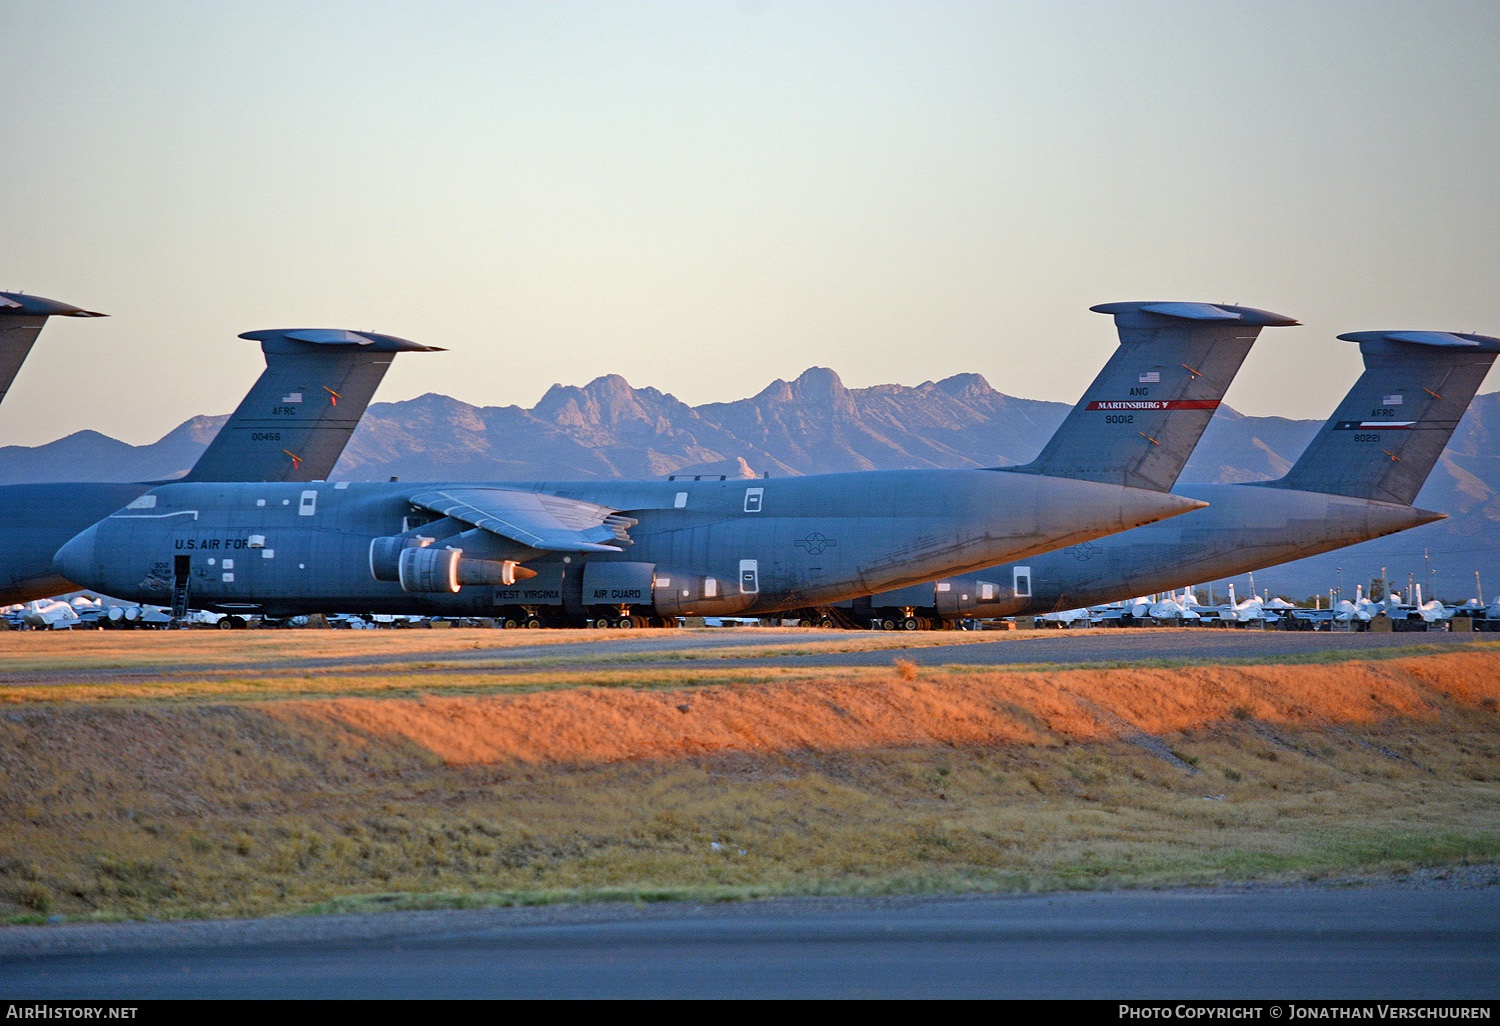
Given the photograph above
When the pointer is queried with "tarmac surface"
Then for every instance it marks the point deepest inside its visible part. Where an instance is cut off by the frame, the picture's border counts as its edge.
(1435, 936)
(800, 648)
(1132, 645)
(993, 648)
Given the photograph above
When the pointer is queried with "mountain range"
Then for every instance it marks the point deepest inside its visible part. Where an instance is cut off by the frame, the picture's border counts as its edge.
(813, 425)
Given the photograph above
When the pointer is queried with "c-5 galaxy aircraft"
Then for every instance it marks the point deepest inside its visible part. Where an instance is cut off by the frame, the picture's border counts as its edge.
(555, 552)
(1355, 481)
(292, 426)
(21, 321)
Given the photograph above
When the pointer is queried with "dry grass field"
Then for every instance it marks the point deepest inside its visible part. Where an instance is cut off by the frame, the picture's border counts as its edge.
(176, 780)
(165, 650)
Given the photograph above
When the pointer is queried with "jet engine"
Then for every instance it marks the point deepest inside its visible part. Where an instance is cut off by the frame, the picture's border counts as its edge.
(421, 566)
(428, 569)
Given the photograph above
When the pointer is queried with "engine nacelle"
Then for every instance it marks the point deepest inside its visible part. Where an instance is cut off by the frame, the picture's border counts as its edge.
(385, 555)
(428, 569)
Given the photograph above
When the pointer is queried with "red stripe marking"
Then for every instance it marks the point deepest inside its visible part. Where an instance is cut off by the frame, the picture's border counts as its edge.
(1154, 404)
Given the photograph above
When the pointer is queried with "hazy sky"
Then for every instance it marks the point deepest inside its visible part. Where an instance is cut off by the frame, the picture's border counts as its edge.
(704, 196)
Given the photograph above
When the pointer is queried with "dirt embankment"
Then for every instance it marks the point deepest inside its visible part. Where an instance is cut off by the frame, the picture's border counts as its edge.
(890, 780)
(896, 709)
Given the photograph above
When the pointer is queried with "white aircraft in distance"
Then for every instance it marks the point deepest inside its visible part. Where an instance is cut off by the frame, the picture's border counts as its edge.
(127, 617)
(1251, 610)
(1111, 612)
(1429, 612)
(1173, 608)
(1361, 610)
(1068, 617)
(49, 615)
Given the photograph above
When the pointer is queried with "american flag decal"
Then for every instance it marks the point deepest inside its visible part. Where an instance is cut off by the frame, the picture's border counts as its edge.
(1151, 378)
(1391, 400)
(292, 397)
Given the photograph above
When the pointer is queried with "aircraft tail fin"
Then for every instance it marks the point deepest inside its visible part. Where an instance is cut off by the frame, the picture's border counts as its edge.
(21, 321)
(1139, 421)
(295, 421)
(1385, 437)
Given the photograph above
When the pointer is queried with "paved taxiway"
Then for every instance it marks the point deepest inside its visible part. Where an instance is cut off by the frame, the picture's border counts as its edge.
(989, 649)
(1384, 941)
(800, 647)
(1129, 645)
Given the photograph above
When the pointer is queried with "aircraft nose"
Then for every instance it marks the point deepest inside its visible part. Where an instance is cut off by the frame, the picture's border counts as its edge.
(75, 560)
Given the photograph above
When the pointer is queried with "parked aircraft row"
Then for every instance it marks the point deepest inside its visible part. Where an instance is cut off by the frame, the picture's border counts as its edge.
(1258, 610)
(84, 612)
(254, 528)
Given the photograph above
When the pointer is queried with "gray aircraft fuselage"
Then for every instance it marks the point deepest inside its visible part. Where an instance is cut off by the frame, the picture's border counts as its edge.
(292, 425)
(699, 548)
(38, 519)
(1245, 527)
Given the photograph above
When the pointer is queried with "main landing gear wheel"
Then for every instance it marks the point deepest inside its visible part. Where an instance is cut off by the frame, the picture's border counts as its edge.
(910, 624)
(508, 624)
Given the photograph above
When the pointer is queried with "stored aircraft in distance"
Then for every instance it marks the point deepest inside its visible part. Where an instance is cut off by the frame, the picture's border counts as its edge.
(22, 318)
(291, 426)
(1356, 480)
(634, 553)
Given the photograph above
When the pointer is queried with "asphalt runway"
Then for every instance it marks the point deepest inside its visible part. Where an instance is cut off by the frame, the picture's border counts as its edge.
(1384, 941)
(998, 649)
(799, 648)
(1128, 645)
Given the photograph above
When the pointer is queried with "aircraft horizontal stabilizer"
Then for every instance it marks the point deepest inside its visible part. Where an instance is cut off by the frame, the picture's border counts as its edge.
(18, 304)
(1200, 312)
(366, 340)
(1445, 339)
(537, 520)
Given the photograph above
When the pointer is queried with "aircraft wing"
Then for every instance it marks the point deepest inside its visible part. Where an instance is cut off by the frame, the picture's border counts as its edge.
(537, 519)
